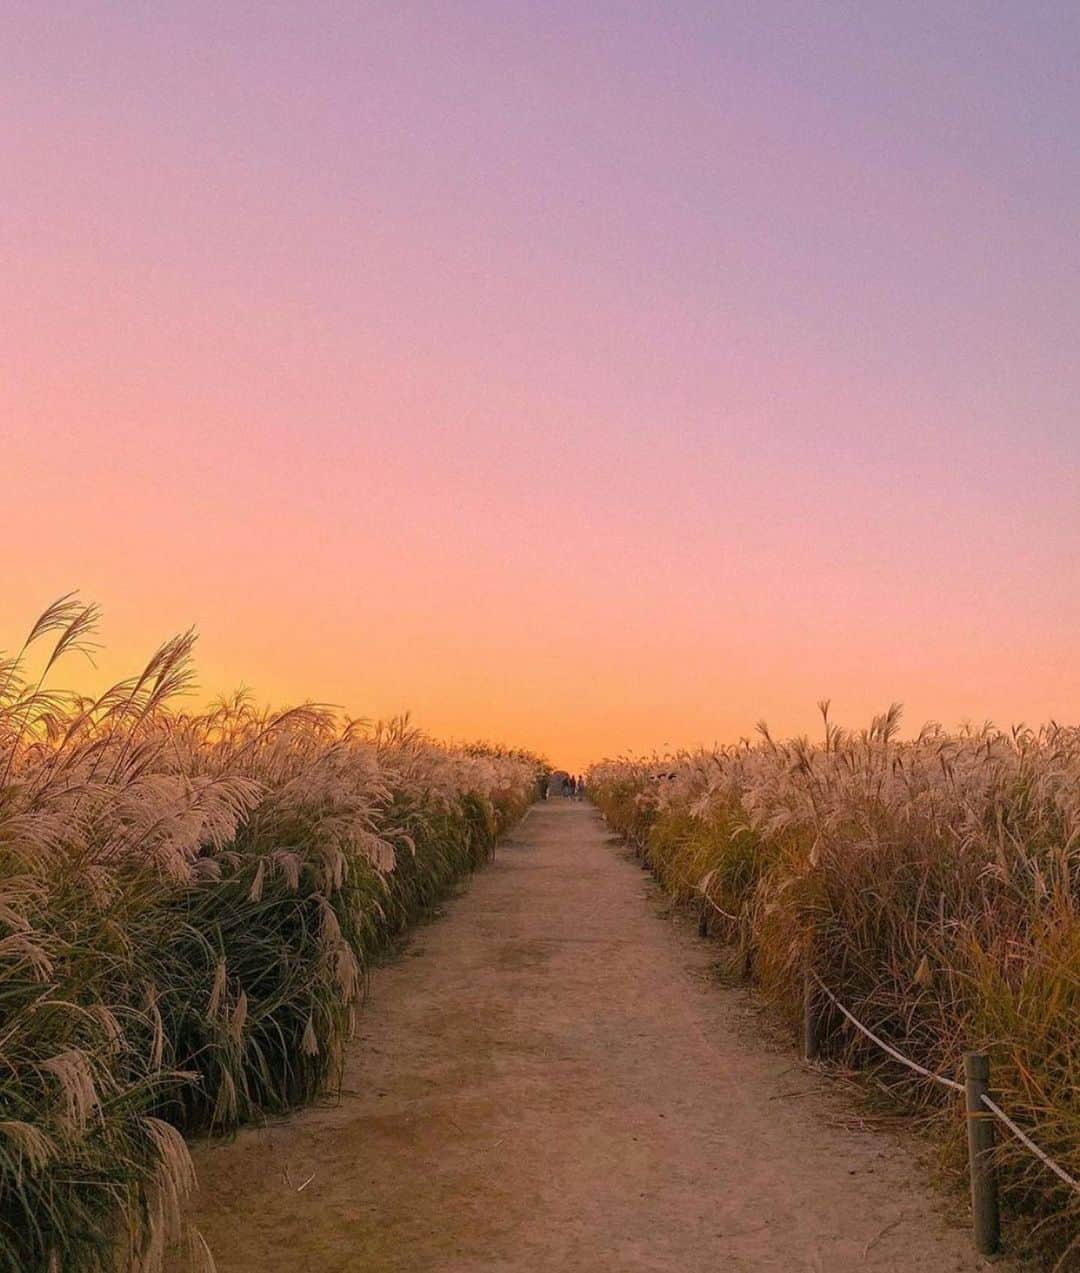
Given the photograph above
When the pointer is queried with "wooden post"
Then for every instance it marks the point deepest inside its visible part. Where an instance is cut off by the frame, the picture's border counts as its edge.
(703, 917)
(985, 1218)
(812, 1019)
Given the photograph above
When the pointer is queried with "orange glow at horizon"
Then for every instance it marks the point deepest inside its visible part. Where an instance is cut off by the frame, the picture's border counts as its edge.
(583, 381)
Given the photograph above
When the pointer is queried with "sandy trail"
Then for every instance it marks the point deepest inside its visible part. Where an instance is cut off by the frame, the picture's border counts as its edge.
(550, 1080)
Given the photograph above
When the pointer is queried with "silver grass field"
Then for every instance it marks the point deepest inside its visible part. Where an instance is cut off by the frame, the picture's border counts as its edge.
(933, 884)
(188, 906)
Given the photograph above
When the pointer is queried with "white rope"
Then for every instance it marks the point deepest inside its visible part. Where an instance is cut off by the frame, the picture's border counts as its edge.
(719, 909)
(696, 888)
(992, 1106)
(912, 1065)
(1028, 1143)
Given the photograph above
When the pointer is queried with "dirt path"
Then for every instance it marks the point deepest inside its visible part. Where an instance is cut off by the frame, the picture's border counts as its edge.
(550, 1080)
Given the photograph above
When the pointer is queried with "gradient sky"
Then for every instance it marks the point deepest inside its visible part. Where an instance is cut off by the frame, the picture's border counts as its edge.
(592, 375)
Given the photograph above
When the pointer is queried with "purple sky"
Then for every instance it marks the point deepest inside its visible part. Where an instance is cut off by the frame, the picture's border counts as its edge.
(761, 316)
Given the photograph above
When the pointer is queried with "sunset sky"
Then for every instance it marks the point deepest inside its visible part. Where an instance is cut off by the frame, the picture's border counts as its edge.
(588, 375)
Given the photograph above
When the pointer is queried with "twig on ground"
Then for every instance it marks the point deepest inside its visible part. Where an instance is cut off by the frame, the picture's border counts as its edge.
(875, 1240)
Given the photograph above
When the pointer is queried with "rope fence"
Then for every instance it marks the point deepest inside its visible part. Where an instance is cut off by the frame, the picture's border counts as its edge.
(885, 1047)
(985, 1100)
(719, 909)
(985, 1213)
(1030, 1145)
(978, 1103)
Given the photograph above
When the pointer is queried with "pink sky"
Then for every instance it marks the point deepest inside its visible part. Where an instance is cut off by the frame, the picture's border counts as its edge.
(593, 377)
